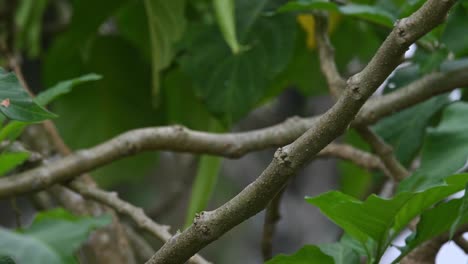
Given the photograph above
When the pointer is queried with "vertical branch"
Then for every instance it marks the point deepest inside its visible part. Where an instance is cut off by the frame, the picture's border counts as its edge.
(272, 216)
(385, 152)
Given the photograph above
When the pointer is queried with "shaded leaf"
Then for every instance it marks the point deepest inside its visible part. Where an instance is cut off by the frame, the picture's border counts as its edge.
(28, 20)
(455, 34)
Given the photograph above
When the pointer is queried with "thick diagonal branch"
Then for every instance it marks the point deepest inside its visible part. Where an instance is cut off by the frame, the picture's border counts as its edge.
(208, 226)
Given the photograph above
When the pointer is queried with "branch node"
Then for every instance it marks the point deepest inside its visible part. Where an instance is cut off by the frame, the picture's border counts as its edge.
(200, 224)
(401, 26)
(282, 157)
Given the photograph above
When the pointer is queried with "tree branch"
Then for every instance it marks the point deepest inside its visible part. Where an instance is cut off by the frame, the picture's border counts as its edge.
(272, 216)
(136, 214)
(208, 226)
(385, 152)
(335, 82)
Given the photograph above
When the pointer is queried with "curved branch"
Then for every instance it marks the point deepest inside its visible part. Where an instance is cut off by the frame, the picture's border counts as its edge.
(208, 226)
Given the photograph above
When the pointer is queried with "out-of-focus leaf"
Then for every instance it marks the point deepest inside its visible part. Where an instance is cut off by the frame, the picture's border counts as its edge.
(12, 130)
(15, 103)
(10, 160)
(430, 61)
(225, 15)
(62, 88)
(53, 237)
(340, 253)
(231, 85)
(380, 220)
(117, 103)
(28, 20)
(64, 59)
(455, 34)
(448, 139)
(406, 130)
(6, 260)
(370, 13)
(166, 20)
(205, 181)
(306, 255)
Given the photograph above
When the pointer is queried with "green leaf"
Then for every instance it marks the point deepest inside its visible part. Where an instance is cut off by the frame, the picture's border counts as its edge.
(432, 223)
(28, 20)
(448, 139)
(53, 237)
(117, 103)
(63, 87)
(166, 20)
(462, 213)
(340, 253)
(369, 13)
(232, 84)
(21, 107)
(406, 130)
(12, 130)
(377, 221)
(205, 181)
(225, 15)
(11, 160)
(306, 255)
(455, 36)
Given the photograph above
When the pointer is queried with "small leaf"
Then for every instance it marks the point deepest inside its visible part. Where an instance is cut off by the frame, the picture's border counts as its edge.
(225, 10)
(52, 238)
(28, 20)
(462, 213)
(63, 87)
(6, 260)
(11, 160)
(17, 104)
(306, 255)
(166, 20)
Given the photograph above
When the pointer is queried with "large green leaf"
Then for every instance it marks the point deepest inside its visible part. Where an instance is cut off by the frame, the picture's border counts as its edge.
(53, 237)
(232, 84)
(16, 102)
(405, 130)
(10, 160)
(28, 20)
(166, 20)
(377, 221)
(117, 103)
(448, 139)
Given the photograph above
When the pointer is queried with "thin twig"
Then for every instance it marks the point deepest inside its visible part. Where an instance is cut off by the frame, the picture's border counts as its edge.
(385, 152)
(272, 216)
(462, 243)
(141, 247)
(135, 213)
